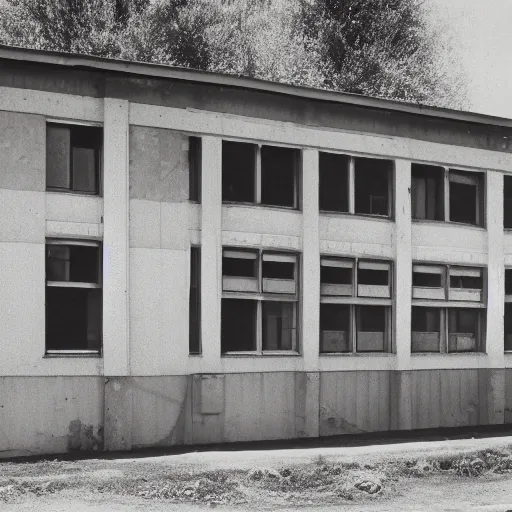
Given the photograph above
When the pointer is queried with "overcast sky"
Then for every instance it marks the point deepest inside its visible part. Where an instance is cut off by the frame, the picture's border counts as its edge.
(483, 28)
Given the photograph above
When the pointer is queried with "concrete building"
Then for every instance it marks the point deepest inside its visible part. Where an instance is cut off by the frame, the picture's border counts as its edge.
(193, 258)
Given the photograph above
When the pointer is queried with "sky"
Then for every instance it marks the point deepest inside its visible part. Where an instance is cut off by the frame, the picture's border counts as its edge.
(482, 31)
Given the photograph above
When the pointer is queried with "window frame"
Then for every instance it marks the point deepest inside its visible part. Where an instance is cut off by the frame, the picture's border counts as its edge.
(260, 296)
(508, 300)
(297, 185)
(449, 175)
(351, 188)
(446, 301)
(356, 300)
(74, 284)
(99, 173)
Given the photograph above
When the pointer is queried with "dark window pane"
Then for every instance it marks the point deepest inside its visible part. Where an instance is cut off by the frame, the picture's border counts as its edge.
(508, 281)
(427, 194)
(194, 168)
(466, 191)
(84, 170)
(334, 328)
(238, 171)
(278, 176)
(371, 328)
(372, 186)
(238, 325)
(278, 270)
(426, 329)
(58, 263)
(426, 280)
(279, 328)
(73, 318)
(372, 277)
(467, 282)
(195, 301)
(335, 275)
(333, 175)
(58, 151)
(463, 330)
(74, 263)
(508, 326)
(507, 203)
(239, 267)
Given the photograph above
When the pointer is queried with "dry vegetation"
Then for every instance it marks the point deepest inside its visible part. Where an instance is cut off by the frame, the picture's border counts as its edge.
(319, 483)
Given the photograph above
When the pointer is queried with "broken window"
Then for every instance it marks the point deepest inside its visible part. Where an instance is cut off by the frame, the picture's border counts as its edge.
(507, 202)
(372, 186)
(439, 316)
(427, 192)
(372, 328)
(73, 297)
(463, 329)
(355, 310)
(73, 158)
(266, 175)
(194, 168)
(466, 197)
(334, 182)
(279, 176)
(194, 340)
(259, 301)
(335, 321)
(426, 329)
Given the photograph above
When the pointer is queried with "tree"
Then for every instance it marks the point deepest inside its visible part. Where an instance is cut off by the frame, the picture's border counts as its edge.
(380, 48)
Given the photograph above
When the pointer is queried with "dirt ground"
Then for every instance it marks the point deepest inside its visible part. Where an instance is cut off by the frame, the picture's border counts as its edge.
(467, 475)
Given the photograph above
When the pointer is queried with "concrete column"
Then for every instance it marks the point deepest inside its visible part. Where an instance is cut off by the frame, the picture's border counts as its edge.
(402, 415)
(403, 264)
(116, 337)
(495, 270)
(310, 261)
(211, 252)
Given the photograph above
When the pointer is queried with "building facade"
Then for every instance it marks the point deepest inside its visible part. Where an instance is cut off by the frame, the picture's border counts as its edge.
(192, 258)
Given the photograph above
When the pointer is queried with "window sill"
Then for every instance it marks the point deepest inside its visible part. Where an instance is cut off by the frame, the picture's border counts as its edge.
(72, 354)
(366, 216)
(448, 223)
(261, 205)
(195, 355)
(357, 354)
(72, 193)
(423, 354)
(277, 353)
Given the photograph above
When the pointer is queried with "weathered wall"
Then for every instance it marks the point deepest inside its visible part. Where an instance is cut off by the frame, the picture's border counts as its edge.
(50, 415)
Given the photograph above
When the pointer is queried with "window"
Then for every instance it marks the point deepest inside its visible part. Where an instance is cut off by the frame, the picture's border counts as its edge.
(355, 184)
(355, 305)
(73, 158)
(427, 192)
(507, 202)
(508, 309)
(448, 310)
(443, 194)
(73, 297)
(266, 175)
(194, 340)
(194, 168)
(259, 301)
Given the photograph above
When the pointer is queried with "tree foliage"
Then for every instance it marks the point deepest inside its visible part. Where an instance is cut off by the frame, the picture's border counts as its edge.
(380, 48)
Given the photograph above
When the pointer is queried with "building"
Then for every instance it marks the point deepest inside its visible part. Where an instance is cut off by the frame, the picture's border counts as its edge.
(192, 258)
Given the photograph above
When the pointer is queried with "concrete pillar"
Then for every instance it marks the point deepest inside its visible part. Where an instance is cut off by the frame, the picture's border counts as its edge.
(116, 337)
(403, 293)
(495, 297)
(211, 252)
(310, 261)
(495, 270)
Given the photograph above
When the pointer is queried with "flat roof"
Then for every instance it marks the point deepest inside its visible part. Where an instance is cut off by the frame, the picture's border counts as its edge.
(73, 60)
